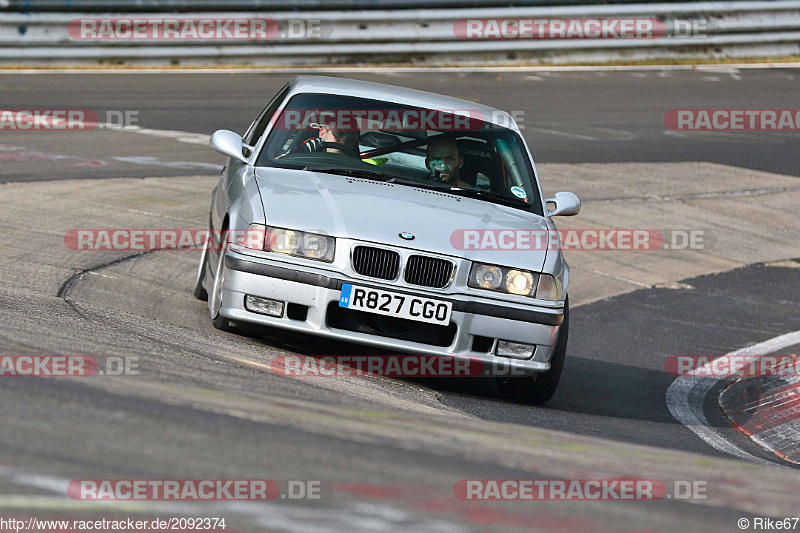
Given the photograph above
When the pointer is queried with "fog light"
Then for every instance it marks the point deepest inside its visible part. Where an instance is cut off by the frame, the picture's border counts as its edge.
(263, 306)
(516, 350)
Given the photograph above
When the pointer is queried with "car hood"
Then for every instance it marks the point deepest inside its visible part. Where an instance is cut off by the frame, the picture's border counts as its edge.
(378, 212)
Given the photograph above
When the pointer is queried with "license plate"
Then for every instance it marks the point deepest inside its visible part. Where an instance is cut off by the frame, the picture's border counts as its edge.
(396, 305)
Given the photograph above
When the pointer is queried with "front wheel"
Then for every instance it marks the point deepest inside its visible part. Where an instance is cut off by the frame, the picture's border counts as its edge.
(199, 291)
(539, 388)
(215, 298)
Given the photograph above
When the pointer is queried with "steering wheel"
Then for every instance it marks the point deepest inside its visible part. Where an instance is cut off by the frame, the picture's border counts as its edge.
(319, 145)
(345, 149)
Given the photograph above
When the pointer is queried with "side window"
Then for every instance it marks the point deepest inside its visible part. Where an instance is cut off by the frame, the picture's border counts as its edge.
(256, 129)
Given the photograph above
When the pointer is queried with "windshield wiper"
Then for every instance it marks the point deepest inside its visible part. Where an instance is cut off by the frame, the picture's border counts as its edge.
(415, 183)
(373, 175)
(352, 172)
(489, 195)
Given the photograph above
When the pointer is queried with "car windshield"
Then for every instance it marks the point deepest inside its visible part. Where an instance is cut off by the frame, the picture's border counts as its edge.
(456, 150)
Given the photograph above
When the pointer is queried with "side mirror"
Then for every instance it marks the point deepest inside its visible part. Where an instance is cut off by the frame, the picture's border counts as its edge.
(228, 143)
(566, 204)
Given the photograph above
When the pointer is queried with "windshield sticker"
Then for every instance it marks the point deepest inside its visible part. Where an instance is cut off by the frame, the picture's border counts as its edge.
(519, 192)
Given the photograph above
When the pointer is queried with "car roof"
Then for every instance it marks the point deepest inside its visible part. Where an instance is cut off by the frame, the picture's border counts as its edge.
(397, 95)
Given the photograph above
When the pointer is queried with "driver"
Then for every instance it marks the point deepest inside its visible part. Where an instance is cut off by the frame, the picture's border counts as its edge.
(347, 138)
(444, 160)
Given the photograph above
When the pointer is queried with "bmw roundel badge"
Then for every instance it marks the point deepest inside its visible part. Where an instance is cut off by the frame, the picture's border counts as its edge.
(407, 236)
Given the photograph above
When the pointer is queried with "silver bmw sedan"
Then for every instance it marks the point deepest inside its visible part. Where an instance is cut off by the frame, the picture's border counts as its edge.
(395, 218)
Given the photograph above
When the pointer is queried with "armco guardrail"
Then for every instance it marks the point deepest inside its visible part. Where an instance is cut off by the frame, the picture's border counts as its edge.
(178, 6)
(425, 36)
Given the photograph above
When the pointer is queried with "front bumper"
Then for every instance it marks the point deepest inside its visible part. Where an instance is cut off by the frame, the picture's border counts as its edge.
(317, 293)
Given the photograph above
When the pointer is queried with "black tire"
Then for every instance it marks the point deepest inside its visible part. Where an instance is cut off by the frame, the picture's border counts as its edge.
(539, 388)
(219, 321)
(199, 291)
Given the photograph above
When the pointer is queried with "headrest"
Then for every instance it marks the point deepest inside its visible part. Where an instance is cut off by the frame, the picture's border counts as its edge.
(478, 157)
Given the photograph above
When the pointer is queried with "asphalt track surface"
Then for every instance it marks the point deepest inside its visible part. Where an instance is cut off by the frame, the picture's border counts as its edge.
(569, 117)
(206, 407)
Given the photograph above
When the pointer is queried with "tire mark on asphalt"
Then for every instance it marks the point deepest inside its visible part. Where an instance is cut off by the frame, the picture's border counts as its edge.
(63, 291)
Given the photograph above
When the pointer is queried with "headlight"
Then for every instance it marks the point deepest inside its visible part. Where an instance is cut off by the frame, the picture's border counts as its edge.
(316, 246)
(300, 244)
(282, 241)
(486, 277)
(513, 281)
(519, 282)
(289, 242)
